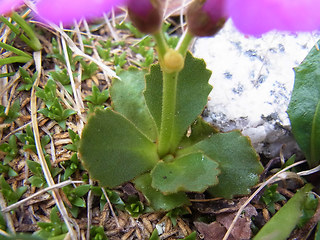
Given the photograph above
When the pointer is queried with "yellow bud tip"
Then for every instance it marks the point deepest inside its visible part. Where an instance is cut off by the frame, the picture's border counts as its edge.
(173, 61)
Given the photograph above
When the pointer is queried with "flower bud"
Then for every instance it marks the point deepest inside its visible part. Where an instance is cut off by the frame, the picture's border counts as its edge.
(173, 61)
(146, 15)
(206, 17)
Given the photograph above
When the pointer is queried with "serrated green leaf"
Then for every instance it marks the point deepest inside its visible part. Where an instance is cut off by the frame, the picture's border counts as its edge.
(304, 107)
(192, 95)
(114, 150)
(284, 221)
(158, 201)
(127, 98)
(238, 162)
(199, 131)
(194, 172)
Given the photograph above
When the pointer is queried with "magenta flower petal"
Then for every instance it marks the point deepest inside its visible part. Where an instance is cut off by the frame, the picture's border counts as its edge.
(216, 9)
(9, 5)
(259, 16)
(67, 11)
(140, 7)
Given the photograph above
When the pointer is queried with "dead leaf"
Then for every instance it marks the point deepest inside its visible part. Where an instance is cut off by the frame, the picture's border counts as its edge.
(212, 231)
(242, 228)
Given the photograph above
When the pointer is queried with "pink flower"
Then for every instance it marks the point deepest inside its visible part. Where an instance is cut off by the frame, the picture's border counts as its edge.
(259, 16)
(67, 11)
(250, 16)
(7, 6)
(146, 15)
(206, 18)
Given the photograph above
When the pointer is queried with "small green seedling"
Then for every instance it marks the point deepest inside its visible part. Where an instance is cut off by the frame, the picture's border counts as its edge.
(97, 99)
(28, 141)
(11, 196)
(75, 197)
(10, 149)
(6, 169)
(48, 94)
(271, 196)
(55, 229)
(97, 233)
(71, 166)
(120, 60)
(27, 80)
(54, 109)
(134, 206)
(175, 213)
(58, 113)
(113, 196)
(75, 141)
(61, 75)
(13, 113)
(146, 49)
(38, 179)
(104, 53)
(88, 70)
(308, 209)
(88, 42)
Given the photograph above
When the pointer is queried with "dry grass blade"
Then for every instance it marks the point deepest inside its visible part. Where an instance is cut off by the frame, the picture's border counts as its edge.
(44, 166)
(110, 206)
(76, 94)
(78, 52)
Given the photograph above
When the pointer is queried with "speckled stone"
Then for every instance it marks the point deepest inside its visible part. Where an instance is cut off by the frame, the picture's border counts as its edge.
(252, 81)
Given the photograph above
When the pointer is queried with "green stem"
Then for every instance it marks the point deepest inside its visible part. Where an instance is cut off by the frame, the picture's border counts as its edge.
(162, 46)
(168, 112)
(185, 43)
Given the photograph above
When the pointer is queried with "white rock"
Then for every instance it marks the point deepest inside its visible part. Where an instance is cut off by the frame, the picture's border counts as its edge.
(252, 80)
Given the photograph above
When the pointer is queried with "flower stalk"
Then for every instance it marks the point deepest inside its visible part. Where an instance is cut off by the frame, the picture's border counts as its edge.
(169, 96)
(171, 62)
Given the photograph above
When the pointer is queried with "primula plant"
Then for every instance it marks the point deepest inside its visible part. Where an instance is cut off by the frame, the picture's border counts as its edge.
(153, 134)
